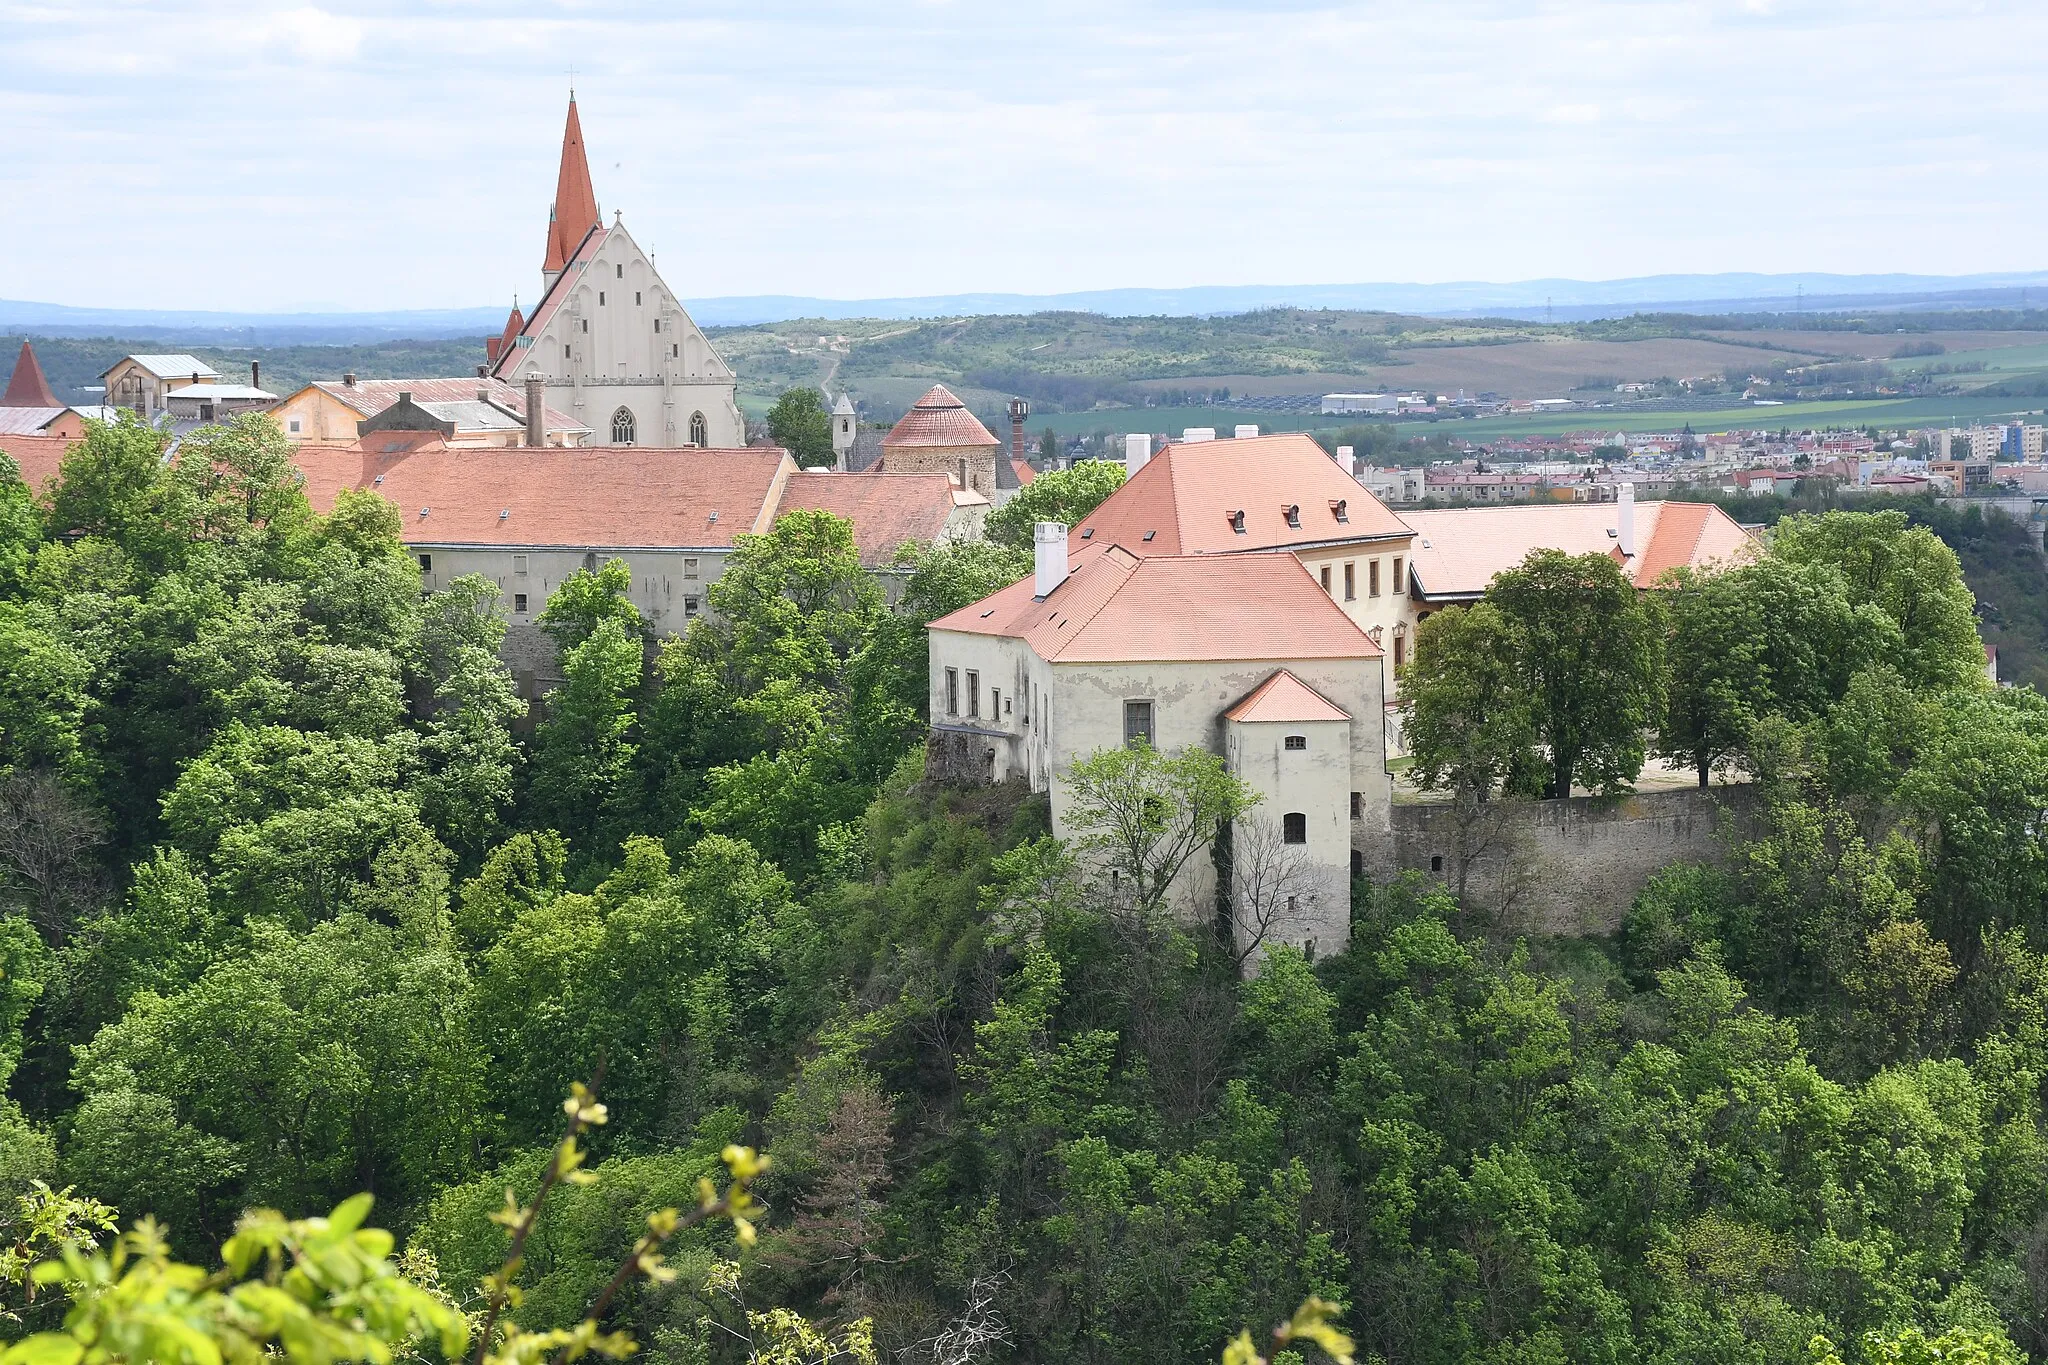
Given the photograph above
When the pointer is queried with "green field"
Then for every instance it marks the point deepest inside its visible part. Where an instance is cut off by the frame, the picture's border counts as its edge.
(1894, 412)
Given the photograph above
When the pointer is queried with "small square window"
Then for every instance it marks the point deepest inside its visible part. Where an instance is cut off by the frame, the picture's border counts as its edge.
(1436, 862)
(689, 568)
(689, 607)
(294, 424)
(1294, 828)
(519, 602)
(1296, 742)
(426, 563)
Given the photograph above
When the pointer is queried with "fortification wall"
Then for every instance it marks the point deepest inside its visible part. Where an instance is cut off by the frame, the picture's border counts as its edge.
(1565, 867)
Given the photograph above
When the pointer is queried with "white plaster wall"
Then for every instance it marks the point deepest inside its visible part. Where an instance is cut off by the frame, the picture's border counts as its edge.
(1386, 611)
(1020, 734)
(663, 581)
(1316, 781)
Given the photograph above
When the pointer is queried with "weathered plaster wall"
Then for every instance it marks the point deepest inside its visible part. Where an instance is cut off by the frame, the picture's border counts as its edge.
(1565, 867)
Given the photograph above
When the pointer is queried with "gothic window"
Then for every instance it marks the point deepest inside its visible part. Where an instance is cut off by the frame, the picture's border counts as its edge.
(700, 431)
(622, 427)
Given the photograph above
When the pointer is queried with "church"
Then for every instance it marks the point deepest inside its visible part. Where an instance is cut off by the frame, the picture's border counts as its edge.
(609, 338)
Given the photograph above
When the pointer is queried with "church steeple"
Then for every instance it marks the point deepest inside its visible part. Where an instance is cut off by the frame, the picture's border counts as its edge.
(574, 212)
(28, 388)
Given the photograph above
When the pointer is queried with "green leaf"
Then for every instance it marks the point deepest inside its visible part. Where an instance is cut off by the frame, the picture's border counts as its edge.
(44, 1348)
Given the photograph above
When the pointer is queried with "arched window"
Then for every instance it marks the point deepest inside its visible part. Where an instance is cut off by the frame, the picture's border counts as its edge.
(700, 431)
(622, 427)
(1294, 828)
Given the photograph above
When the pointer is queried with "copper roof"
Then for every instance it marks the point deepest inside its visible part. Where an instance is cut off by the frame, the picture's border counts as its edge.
(939, 419)
(622, 497)
(574, 212)
(885, 509)
(1187, 498)
(28, 388)
(1117, 608)
(1284, 697)
(1458, 551)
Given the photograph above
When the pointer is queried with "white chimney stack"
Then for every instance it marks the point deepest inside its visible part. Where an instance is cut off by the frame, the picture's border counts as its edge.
(1049, 544)
(1245, 431)
(1137, 450)
(1194, 434)
(1625, 505)
(1347, 461)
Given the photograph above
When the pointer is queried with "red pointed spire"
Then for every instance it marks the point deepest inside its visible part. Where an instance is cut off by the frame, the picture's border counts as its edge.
(575, 209)
(28, 388)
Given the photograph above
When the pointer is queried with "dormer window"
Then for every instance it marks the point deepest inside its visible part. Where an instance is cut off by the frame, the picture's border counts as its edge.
(1340, 509)
(1237, 521)
(1292, 511)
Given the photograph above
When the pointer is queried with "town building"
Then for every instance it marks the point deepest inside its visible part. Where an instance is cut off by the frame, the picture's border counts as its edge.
(478, 411)
(29, 407)
(608, 337)
(1243, 655)
(143, 383)
(215, 402)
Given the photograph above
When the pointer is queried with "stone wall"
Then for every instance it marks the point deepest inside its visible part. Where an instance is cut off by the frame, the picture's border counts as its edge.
(1565, 867)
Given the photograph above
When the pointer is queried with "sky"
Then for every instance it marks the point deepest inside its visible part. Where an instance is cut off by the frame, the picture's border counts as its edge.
(369, 155)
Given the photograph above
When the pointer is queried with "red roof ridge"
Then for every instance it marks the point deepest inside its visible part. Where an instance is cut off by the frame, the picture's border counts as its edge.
(28, 388)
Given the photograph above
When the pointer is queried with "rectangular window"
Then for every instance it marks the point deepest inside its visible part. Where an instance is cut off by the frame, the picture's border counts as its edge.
(426, 563)
(1397, 588)
(1357, 805)
(519, 564)
(1372, 578)
(636, 298)
(657, 326)
(952, 691)
(565, 350)
(586, 323)
(621, 275)
(1326, 578)
(519, 601)
(689, 607)
(689, 568)
(1137, 722)
(1294, 828)
(974, 693)
(995, 703)
(1350, 582)
(295, 426)
(1297, 742)
(600, 298)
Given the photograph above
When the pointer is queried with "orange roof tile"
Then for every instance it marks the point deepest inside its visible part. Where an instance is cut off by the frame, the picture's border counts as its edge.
(1025, 473)
(28, 388)
(618, 497)
(574, 212)
(1284, 697)
(1185, 499)
(1117, 608)
(885, 509)
(372, 396)
(38, 456)
(939, 419)
(1457, 551)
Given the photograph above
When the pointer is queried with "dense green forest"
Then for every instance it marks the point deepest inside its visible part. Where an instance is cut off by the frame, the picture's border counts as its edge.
(301, 903)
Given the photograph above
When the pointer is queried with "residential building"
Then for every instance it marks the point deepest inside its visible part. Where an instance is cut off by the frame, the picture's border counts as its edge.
(214, 402)
(1964, 476)
(1392, 486)
(142, 383)
(611, 341)
(1243, 655)
(478, 411)
(1358, 402)
(1265, 495)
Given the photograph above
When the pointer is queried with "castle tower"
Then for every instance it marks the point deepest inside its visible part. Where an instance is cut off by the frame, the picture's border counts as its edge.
(844, 422)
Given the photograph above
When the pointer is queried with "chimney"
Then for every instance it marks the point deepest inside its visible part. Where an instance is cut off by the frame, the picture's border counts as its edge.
(1347, 461)
(349, 379)
(1049, 544)
(1245, 431)
(1137, 452)
(483, 395)
(482, 371)
(1625, 499)
(536, 411)
(255, 374)
(1019, 410)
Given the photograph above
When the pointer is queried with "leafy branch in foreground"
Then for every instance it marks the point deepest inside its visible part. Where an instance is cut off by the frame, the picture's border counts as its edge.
(1311, 1322)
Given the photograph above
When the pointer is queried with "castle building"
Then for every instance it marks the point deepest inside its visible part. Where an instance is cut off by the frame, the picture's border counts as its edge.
(618, 352)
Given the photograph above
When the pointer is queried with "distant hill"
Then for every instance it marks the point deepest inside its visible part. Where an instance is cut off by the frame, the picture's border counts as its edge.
(1531, 300)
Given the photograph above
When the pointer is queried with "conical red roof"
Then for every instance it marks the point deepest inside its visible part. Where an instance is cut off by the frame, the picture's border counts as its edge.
(575, 209)
(939, 419)
(28, 388)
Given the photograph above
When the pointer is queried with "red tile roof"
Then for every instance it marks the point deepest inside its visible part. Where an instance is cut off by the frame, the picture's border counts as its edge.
(1117, 608)
(1284, 697)
(574, 212)
(885, 509)
(1187, 495)
(28, 388)
(551, 302)
(371, 396)
(1025, 473)
(939, 419)
(38, 457)
(1457, 551)
(623, 497)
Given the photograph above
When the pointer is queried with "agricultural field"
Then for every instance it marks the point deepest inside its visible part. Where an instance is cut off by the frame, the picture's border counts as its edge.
(1875, 345)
